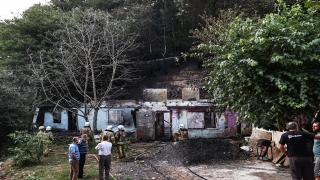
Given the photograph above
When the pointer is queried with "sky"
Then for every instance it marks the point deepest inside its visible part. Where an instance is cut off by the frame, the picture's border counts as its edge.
(11, 8)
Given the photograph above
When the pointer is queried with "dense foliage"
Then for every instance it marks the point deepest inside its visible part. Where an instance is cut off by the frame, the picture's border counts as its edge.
(15, 105)
(265, 69)
(27, 149)
(21, 38)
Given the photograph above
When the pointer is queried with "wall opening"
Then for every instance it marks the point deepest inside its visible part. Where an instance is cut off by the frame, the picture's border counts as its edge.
(159, 125)
(72, 120)
(162, 126)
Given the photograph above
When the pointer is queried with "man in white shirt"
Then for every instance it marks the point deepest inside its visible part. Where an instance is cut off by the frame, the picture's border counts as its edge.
(104, 157)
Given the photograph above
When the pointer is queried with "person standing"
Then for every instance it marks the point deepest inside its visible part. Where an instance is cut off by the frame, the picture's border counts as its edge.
(41, 132)
(104, 157)
(86, 130)
(47, 140)
(120, 137)
(316, 150)
(83, 149)
(74, 157)
(300, 158)
(181, 134)
(108, 132)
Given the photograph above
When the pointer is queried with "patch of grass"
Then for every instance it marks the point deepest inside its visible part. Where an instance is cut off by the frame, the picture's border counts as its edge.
(54, 167)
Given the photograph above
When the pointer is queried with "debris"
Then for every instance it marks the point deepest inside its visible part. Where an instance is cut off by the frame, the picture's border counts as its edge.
(246, 148)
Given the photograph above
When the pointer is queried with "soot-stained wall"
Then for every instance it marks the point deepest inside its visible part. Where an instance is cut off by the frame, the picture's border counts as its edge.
(145, 129)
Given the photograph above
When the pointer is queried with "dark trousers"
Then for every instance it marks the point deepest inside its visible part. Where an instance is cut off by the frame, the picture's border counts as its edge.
(81, 164)
(104, 165)
(301, 168)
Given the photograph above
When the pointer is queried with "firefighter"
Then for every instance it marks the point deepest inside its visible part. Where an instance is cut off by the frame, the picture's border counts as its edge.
(120, 137)
(86, 130)
(47, 140)
(41, 132)
(176, 61)
(110, 135)
(181, 134)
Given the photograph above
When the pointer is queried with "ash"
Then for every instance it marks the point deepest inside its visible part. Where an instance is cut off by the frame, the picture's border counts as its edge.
(172, 160)
(200, 151)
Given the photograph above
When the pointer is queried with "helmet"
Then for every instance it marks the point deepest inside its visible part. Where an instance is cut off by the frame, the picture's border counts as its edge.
(109, 128)
(48, 128)
(86, 124)
(41, 127)
(120, 127)
(181, 126)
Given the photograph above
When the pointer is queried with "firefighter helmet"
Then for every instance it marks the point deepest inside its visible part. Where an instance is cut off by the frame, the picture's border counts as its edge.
(41, 127)
(181, 126)
(86, 124)
(120, 127)
(109, 128)
(48, 128)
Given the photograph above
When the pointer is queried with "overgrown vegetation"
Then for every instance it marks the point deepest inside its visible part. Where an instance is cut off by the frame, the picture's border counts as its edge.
(27, 150)
(265, 69)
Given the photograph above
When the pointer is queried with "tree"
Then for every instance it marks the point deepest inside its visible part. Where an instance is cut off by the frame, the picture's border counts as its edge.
(266, 69)
(103, 5)
(28, 33)
(18, 93)
(15, 107)
(93, 54)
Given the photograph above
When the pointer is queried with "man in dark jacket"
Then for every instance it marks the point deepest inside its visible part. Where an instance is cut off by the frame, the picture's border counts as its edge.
(83, 149)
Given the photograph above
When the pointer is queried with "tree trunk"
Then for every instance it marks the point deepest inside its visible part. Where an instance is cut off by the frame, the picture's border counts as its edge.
(95, 117)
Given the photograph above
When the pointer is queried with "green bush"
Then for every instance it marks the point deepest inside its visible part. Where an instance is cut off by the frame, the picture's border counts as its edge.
(28, 148)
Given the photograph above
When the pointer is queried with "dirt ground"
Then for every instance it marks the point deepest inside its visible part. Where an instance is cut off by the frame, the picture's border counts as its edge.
(197, 159)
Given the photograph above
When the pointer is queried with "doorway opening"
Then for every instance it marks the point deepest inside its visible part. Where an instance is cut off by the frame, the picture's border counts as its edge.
(162, 126)
(72, 120)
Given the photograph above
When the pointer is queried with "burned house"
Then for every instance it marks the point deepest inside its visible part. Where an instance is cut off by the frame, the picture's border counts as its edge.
(154, 107)
(154, 118)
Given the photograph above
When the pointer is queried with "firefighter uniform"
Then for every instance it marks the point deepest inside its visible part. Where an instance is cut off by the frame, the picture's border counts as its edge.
(181, 134)
(108, 132)
(41, 132)
(47, 140)
(86, 130)
(120, 137)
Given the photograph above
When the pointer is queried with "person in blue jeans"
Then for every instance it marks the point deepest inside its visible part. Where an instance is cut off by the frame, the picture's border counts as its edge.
(83, 149)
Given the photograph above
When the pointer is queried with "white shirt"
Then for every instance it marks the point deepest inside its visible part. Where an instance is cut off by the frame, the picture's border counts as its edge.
(104, 148)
